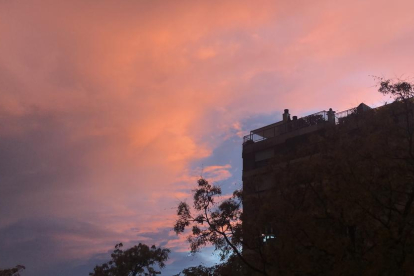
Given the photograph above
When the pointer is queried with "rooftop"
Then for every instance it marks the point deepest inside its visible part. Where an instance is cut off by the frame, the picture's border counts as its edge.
(289, 125)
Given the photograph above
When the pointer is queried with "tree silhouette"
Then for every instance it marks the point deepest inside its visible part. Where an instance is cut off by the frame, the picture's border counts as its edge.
(15, 271)
(232, 266)
(215, 223)
(137, 260)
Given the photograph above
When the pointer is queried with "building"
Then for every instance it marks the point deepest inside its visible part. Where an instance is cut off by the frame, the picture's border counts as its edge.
(283, 137)
(267, 149)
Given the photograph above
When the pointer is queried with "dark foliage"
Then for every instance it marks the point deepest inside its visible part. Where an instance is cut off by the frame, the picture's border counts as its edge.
(15, 271)
(232, 266)
(137, 260)
(215, 223)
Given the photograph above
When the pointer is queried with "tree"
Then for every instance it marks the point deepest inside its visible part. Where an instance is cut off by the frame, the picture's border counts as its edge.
(232, 266)
(399, 90)
(15, 271)
(197, 271)
(218, 224)
(137, 260)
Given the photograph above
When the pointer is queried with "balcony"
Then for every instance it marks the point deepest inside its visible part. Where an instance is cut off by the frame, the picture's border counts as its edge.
(319, 118)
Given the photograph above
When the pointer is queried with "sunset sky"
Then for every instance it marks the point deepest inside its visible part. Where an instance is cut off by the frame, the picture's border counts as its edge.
(111, 110)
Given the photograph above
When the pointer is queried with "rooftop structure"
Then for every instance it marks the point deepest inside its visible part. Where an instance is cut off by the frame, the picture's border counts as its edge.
(261, 144)
(289, 125)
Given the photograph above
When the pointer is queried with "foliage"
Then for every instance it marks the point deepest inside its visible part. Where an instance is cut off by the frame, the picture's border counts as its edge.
(218, 224)
(232, 266)
(137, 260)
(400, 90)
(15, 271)
(197, 271)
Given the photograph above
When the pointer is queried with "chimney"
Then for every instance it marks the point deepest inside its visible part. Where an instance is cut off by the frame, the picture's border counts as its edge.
(331, 116)
(286, 116)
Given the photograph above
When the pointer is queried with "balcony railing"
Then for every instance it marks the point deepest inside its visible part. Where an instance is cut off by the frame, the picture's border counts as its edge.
(282, 128)
(310, 120)
(340, 116)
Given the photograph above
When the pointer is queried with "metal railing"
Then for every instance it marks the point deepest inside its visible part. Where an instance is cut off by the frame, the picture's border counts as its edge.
(282, 128)
(340, 116)
(310, 120)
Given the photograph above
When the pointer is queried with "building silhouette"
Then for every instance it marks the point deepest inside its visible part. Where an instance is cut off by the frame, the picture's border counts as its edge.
(283, 137)
(269, 148)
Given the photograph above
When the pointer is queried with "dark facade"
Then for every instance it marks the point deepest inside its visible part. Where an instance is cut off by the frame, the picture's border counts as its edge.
(331, 193)
(283, 137)
(287, 138)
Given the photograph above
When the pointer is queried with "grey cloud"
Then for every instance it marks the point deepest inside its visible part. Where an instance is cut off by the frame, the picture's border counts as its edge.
(43, 245)
(37, 156)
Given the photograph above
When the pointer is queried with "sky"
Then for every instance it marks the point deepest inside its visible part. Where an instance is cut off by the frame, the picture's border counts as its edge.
(111, 110)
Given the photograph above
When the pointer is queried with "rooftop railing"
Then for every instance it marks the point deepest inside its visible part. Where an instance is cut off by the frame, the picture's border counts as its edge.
(285, 127)
(340, 116)
(280, 128)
